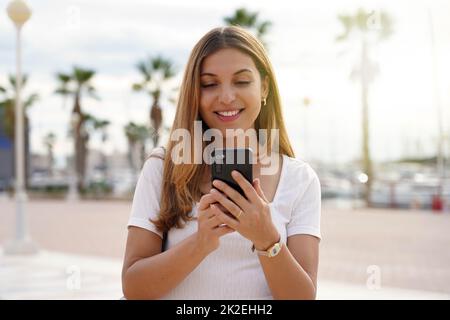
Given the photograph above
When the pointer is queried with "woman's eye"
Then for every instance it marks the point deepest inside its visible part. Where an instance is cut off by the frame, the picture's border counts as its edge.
(208, 85)
(239, 83)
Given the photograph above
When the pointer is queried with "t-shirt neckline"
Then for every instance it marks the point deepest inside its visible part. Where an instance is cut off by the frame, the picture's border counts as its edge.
(280, 180)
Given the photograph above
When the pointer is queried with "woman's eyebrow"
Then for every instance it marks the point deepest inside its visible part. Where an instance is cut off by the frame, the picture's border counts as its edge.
(215, 75)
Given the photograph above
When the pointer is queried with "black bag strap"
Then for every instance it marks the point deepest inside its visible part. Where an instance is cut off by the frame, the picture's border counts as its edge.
(164, 241)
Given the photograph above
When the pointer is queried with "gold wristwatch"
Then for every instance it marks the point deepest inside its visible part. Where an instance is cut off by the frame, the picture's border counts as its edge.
(272, 251)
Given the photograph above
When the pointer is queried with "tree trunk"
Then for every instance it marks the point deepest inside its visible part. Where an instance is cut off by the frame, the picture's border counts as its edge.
(79, 150)
(156, 119)
(83, 159)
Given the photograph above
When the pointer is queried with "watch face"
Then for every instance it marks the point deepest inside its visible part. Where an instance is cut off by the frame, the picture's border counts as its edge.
(275, 249)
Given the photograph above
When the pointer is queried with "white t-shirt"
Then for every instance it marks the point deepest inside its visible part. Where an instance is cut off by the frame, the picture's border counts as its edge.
(233, 271)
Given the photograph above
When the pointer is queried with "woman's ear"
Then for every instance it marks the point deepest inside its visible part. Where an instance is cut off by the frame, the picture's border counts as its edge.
(265, 87)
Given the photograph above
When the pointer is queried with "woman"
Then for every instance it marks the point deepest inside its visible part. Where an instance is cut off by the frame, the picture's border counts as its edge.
(228, 84)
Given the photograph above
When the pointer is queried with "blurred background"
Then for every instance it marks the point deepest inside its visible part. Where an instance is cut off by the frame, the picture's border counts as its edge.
(365, 87)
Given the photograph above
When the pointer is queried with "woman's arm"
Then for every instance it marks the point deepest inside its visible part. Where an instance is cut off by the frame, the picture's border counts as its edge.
(149, 274)
(292, 274)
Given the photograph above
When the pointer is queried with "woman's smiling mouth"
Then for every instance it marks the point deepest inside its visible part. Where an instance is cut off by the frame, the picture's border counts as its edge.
(228, 115)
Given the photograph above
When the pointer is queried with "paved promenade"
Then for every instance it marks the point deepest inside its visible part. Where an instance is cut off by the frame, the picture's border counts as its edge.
(83, 243)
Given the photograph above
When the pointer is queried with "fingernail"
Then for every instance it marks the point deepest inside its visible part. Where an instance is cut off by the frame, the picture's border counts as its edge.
(214, 190)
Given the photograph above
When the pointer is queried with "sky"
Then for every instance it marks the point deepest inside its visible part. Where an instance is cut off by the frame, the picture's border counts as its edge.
(112, 36)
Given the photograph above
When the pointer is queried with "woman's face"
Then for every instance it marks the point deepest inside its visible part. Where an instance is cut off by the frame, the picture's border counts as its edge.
(231, 90)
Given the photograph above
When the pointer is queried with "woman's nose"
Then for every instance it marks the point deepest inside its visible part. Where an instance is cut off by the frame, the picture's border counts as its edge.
(227, 95)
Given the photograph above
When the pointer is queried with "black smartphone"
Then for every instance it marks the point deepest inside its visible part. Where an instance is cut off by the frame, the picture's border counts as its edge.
(225, 160)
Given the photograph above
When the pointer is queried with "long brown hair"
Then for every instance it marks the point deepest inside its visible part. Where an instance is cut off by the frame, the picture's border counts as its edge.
(181, 182)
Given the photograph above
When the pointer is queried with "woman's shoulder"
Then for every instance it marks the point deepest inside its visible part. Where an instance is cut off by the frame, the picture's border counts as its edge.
(158, 152)
(299, 170)
(154, 163)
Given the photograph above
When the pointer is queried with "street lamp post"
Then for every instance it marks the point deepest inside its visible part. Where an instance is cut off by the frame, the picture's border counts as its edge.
(19, 13)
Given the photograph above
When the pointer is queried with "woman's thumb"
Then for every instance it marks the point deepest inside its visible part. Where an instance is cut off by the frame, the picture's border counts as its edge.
(257, 186)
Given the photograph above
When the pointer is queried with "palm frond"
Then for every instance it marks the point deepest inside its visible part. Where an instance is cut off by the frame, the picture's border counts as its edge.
(92, 92)
(31, 100)
(347, 23)
(263, 28)
(100, 124)
(12, 80)
(137, 86)
(63, 91)
(64, 78)
(157, 63)
(81, 76)
(243, 18)
(361, 19)
(386, 22)
(144, 70)
(168, 70)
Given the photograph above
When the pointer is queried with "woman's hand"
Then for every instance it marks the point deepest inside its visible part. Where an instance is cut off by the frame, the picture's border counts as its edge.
(255, 221)
(209, 230)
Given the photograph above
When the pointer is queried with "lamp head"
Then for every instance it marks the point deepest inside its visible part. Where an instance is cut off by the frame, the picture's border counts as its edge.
(19, 12)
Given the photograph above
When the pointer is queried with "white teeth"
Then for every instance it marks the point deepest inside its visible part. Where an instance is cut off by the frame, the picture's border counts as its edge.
(228, 113)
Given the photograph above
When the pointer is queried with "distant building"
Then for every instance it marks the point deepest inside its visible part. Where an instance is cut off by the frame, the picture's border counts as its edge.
(7, 167)
(6, 157)
(39, 163)
(99, 163)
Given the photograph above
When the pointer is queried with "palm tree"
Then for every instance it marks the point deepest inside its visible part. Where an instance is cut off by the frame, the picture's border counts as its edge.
(132, 138)
(101, 126)
(49, 142)
(75, 85)
(137, 136)
(92, 126)
(155, 72)
(368, 27)
(249, 20)
(8, 104)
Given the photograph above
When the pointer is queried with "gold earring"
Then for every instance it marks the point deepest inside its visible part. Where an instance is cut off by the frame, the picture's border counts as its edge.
(264, 102)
